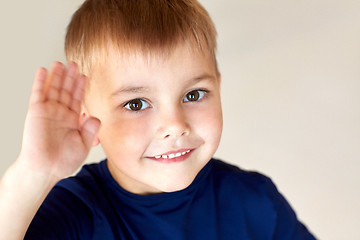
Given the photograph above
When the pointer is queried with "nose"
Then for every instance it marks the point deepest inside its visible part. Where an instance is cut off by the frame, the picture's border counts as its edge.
(173, 124)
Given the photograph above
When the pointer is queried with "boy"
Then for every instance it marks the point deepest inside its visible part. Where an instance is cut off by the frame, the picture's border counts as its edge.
(152, 99)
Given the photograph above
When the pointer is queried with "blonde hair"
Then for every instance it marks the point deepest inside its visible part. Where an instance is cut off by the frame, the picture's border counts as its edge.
(145, 26)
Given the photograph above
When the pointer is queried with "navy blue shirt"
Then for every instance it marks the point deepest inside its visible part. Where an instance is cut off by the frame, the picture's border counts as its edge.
(223, 202)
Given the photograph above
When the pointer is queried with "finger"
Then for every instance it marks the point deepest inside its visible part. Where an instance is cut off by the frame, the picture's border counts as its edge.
(37, 92)
(75, 106)
(78, 94)
(54, 81)
(89, 131)
(71, 77)
(66, 92)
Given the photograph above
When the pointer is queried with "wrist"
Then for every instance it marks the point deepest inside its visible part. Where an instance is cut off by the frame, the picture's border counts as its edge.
(36, 168)
(25, 178)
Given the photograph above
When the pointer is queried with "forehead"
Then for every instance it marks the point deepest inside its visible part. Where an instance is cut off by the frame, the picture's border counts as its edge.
(129, 65)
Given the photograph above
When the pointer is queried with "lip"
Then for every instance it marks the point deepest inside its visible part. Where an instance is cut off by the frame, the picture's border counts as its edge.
(172, 156)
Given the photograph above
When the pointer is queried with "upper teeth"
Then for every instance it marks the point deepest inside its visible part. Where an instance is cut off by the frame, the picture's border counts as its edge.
(172, 155)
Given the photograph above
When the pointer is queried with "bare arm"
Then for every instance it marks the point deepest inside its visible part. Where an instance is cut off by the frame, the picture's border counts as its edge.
(55, 144)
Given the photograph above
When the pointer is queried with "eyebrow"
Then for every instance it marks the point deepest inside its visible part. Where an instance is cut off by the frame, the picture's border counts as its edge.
(130, 89)
(138, 89)
(200, 78)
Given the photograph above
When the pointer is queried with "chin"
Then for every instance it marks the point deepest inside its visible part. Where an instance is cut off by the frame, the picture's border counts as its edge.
(178, 186)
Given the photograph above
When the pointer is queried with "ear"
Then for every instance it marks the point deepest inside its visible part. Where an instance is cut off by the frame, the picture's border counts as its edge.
(83, 118)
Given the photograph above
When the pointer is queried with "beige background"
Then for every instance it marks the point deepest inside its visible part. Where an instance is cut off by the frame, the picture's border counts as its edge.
(291, 94)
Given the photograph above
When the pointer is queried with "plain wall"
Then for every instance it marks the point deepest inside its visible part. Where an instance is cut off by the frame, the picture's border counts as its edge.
(290, 91)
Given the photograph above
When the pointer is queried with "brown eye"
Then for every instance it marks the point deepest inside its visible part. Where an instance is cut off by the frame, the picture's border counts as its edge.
(136, 105)
(193, 96)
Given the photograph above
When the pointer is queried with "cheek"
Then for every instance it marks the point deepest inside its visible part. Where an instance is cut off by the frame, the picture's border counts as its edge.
(124, 136)
(208, 123)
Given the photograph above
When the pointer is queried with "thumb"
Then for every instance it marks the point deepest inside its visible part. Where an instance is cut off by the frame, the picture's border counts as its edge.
(89, 130)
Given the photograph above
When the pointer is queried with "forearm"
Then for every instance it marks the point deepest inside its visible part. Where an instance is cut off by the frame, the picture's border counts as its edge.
(22, 191)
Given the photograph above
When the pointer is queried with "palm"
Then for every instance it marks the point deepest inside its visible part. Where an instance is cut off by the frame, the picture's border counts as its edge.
(54, 139)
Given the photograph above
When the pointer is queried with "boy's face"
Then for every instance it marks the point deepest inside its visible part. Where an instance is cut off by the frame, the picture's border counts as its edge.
(161, 118)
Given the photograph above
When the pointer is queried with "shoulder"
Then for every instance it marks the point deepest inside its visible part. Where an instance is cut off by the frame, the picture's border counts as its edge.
(79, 188)
(254, 195)
(221, 167)
(83, 187)
(70, 205)
(235, 178)
(252, 188)
(89, 178)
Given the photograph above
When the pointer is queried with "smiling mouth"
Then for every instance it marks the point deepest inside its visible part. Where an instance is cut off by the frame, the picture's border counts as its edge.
(171, 157)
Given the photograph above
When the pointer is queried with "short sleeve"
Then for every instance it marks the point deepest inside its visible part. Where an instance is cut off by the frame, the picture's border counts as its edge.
(61, 216)
(287, 226)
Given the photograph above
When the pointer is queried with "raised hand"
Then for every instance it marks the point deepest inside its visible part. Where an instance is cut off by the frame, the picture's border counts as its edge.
(55, 144)
(55, 141)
